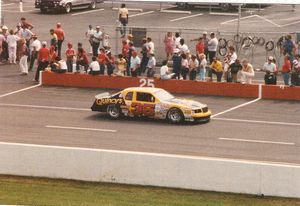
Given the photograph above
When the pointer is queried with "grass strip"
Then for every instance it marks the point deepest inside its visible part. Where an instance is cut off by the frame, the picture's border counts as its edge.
(43, 191)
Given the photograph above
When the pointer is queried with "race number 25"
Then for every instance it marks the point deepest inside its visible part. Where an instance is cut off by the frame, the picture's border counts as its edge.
(146, 82)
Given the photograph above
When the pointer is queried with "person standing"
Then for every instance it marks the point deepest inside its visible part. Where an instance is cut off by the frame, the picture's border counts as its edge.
(184, 66)
(176, 63)
(184, 49)
(123, 18)
(12, 46)
(25, 23)
(169, 45)
(212, 47)
(177, 39)
(286, 70)
(102, 59)
(70, 54)
(150, 45)
(200, 48)
(145, 57)
(35, 47)
(151, 65)
(60, 38)
(135, 63)
(234, 69)
(110, 63)
(43, 58)
(96, 39)
(53, 39)
(89, 35)
(193, 66)
(270, 69)
(202, 67)
(23, 58)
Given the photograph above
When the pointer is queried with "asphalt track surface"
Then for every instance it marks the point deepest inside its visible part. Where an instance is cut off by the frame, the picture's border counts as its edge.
(265, 130)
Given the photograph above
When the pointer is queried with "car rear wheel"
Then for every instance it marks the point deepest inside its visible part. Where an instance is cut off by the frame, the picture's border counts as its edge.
(93, 5)
(68, 8)
(175, 116)
(113, 111)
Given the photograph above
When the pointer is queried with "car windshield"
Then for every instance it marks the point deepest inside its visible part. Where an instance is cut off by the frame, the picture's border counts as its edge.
(163, 95)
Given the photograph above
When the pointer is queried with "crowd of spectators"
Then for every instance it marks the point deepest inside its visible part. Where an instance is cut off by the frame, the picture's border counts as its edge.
(21, 44)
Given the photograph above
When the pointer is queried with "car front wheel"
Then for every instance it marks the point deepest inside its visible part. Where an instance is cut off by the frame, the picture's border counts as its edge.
(175, 116)
(93, 5)
(68, 8)
(113, 111)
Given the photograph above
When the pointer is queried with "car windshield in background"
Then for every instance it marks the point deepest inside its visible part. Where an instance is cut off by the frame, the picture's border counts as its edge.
(163, 95)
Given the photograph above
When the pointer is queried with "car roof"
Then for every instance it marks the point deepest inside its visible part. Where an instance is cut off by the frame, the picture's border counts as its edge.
(143, 89)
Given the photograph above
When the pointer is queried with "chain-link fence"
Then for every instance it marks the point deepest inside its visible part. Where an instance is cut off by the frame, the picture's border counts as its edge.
(255, 46)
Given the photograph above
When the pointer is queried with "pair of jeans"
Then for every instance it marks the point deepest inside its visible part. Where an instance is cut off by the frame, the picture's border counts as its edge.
(95, 47)
(70, 65)
(202, 73)
(59, 44)
(218, 74)
(286, 77)
(41, 67)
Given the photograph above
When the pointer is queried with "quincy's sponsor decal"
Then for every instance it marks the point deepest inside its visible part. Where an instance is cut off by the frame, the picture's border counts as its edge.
(109, 101)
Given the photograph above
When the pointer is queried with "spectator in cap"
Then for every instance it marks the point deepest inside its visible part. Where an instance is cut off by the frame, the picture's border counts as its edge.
(96, 39)
(135, 64)
(70, 54)
(35, 47)
(43, 59)
(23, 57)
(12, 46)
(89, 35)
(60, 37)
(247, 72)
(123, 18)
(286, 69)
(270, 69)
(212, 47)
(176, 58)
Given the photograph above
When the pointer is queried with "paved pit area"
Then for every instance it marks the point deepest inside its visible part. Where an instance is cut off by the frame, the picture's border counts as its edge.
(265, 130)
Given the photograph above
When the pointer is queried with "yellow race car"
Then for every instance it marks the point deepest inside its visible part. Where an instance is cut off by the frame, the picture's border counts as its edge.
(150, 102)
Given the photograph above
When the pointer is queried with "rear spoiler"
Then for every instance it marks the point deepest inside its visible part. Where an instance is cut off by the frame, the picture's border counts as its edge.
(102, 95)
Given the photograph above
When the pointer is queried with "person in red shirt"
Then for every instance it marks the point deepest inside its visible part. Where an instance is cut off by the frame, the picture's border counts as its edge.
(82, 60)
(70, 53)
(200, 47)
(125, 49)
(110, 63)
(60, 37)
(286, 70)
(102, 59)
(43, 59)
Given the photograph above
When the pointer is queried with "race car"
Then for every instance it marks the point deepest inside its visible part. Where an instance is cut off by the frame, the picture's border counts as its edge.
(150, 102)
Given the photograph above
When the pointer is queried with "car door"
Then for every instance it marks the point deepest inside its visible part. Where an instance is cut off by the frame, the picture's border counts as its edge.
(143, 104)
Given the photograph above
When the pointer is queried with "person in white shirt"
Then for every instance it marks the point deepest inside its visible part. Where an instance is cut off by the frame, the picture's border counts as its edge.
(135, 63)
(193, 66)
(94, 67)
(212, 47)
(184, 66)
(177, 39)
(247, 72)
(151, 65)
(96, 39)
(231, 57)
(35, 47)
(59, 66)
(150, 45)
(184, 49)
(270, 69)
(12, 46)
(164, 71)
(23, 57)
(89, 34)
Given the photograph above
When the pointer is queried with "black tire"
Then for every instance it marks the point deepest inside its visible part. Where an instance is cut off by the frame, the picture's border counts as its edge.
(261, 41)
(237, 38)
(222, 51)
(113, 111)
(269, 46)
(175, 116)
(247, 42)
(230, 42)
(92, 5)
(255, 40)
(222, 43)
(68, 8)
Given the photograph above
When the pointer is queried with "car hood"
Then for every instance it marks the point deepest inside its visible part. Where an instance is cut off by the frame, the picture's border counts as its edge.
(186, 103)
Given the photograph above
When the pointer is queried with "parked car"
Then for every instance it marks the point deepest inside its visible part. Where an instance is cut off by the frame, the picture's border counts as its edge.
(64, 5)
(149, 102)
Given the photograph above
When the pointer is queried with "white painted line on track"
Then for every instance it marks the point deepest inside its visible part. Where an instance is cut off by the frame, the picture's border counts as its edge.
(44, 107)
(268, 20)
(232, 20)
(223, 14)
(186, 17)
(86, 12)
(156, 154)
(289, 24)
(21, 90)
(140, 14)
(257, 141)
(8, 4)
(257, 121)
(175, 11)
(80, 128)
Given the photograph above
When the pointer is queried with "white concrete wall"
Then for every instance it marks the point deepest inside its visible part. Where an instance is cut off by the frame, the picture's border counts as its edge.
(150, 169)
